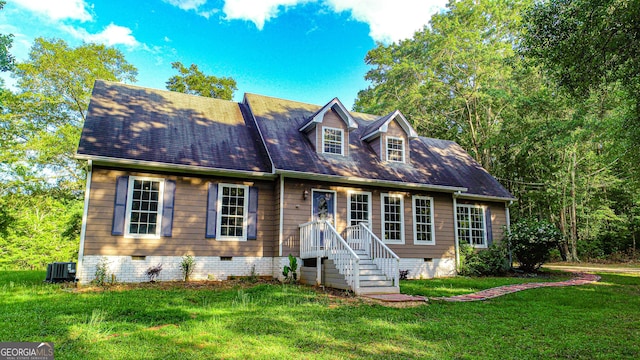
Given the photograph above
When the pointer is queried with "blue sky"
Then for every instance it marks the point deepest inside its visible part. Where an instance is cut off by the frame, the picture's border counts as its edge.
(304, 50)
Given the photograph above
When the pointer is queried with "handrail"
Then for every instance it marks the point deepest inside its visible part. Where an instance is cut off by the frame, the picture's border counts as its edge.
(320, 239)
(362, 237)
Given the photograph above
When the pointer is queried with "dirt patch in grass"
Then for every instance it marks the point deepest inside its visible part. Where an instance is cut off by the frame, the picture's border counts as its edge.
(171, 285)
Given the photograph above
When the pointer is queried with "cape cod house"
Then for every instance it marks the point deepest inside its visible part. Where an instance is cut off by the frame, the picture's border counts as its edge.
(240, 186)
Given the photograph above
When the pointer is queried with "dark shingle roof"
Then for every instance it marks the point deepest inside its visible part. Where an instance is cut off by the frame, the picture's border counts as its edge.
(135, 123)
(433, 162)
(463, 168)
(126, 122)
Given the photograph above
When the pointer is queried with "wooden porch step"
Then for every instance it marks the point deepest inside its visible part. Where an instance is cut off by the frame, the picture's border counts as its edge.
(376, 283)
(376, 277)
(380, 290)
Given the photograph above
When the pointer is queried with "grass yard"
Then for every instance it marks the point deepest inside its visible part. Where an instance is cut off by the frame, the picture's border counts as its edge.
(267, 321)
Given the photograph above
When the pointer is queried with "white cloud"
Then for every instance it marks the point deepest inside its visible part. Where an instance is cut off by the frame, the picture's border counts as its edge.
(390, 20)
(111, 35)
(194, 5)
(186, 4)
(58, 9)
(256, 11)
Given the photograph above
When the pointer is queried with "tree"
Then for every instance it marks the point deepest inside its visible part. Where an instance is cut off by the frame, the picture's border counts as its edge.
(586, 42)
(6, 60)
(47, 113)
(454, 78)
(40, 124)
(566, 159)
(195, 82)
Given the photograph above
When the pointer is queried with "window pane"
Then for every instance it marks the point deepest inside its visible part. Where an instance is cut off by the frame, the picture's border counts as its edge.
(332, 139)
(144, 207)
(422, 219)
(232, 211)
(471, 224)
(392, 218)
(395, 149)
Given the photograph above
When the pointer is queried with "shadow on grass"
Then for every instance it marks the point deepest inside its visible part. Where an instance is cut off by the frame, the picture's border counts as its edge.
(281, 321)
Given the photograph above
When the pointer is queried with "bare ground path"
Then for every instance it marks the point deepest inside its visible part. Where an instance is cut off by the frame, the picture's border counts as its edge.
(579, 279)
(583, 275)
(590, 267)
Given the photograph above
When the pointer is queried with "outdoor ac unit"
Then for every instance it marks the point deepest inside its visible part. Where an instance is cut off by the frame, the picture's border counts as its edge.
(61, 271)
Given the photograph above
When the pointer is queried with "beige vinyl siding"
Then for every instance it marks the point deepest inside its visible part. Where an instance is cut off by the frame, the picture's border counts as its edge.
(395, 130)
(332, 120)
(297, 211)
(188, 236)
(498, 220)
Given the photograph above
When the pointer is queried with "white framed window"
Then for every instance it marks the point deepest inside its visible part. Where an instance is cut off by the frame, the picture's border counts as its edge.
(332, 141)
(471, 225)
(359, 205)
(423, 223)
(233, 201)
(395, 149)
(144, 207)
(392, 218)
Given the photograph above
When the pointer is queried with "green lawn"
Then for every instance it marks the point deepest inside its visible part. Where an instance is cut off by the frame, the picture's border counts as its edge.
(599, 321)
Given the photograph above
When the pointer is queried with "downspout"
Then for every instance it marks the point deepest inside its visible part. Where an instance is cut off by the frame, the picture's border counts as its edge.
(281, 225)
(83, 229)
(455, 228)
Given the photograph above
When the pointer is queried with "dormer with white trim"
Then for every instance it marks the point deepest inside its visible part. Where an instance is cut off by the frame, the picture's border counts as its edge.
(328, 129)
(389, 137)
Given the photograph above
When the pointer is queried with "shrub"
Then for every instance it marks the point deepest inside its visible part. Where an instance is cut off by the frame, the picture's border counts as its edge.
(290, 271)
(531, 242)
(187, 265)
(100, 276)
(404, 274)
(153, 272)
(490, 261)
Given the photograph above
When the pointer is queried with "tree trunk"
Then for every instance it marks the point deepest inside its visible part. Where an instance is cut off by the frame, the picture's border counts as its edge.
(564, 246)
(572, 214)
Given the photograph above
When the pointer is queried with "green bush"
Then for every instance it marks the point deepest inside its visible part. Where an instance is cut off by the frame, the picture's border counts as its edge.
(491, 261)
(187, 265)
(531, 242)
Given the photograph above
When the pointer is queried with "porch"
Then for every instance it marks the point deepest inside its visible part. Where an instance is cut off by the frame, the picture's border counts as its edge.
(357, 260)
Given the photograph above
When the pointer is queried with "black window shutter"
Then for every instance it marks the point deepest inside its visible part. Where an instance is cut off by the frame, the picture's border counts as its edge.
(487, 216)
(252, 216)
(120, 205)
(167, 207)
(212, 219)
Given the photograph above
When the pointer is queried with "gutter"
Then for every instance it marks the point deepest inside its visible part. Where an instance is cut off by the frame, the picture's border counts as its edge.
(83, 229)
(176, 168)
(363, 181)
(486, 197)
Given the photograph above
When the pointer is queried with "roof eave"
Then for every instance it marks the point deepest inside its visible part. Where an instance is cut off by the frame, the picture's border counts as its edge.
(175, 168)
(364, 181)
(469, 196)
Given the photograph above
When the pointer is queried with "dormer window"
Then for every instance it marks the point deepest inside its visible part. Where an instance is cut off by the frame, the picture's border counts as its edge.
(332, 141)
(395, 149)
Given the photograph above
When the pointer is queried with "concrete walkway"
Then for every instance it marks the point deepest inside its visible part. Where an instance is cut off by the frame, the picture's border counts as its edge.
(580, 279)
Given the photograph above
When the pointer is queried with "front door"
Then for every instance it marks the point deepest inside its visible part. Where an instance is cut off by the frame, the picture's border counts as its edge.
(323, 208)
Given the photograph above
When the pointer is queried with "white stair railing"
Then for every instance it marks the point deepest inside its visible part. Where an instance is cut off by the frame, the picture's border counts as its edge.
(362, 238)
(320, 239)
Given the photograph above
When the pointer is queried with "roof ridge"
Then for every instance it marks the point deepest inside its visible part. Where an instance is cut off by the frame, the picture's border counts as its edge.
(163, 90)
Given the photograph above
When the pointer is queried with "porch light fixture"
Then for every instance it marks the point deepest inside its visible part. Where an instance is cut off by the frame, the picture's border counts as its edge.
(305, 194)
